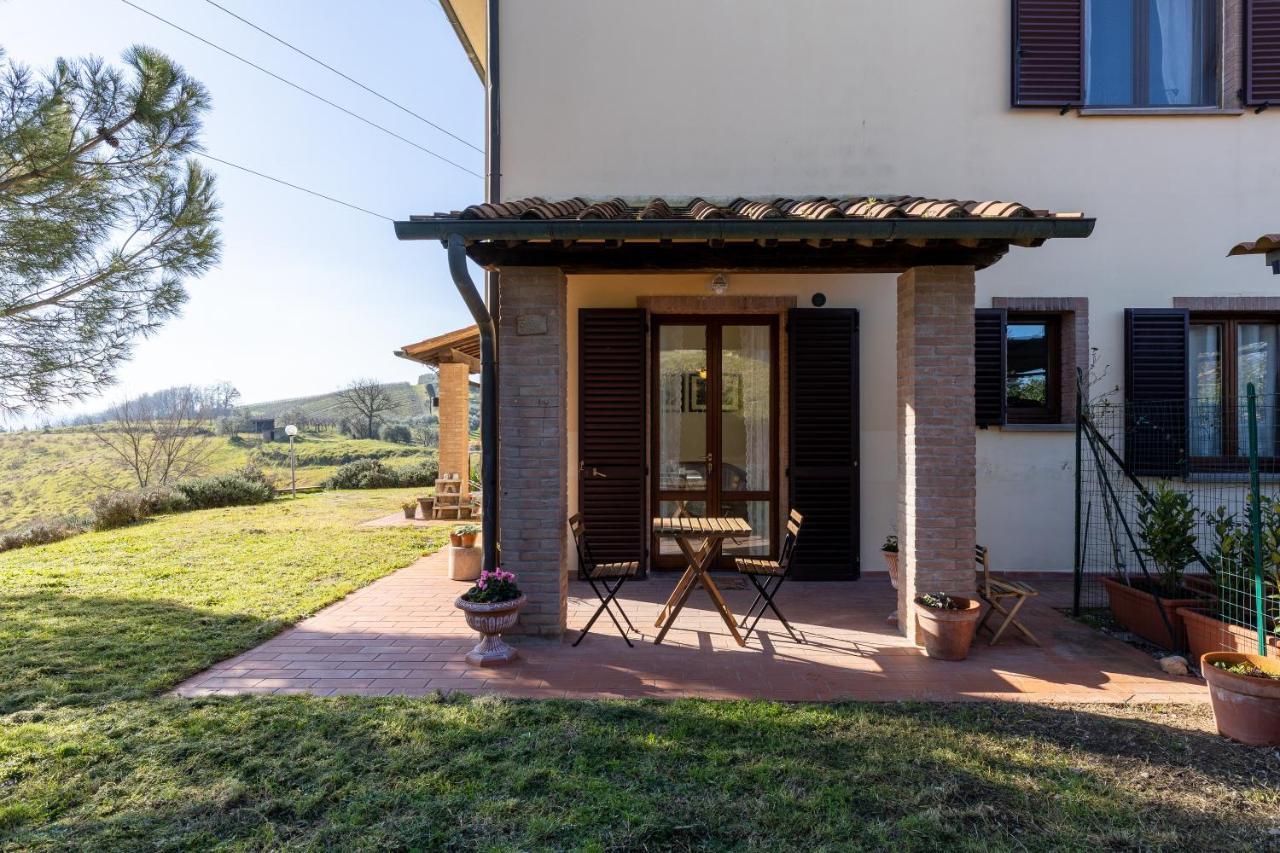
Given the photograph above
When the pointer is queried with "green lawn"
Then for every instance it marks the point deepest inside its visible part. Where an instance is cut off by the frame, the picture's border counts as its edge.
(45, 474)
(94, 756)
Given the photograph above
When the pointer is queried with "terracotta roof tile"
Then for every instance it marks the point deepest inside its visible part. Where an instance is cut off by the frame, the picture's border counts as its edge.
(1265, 243)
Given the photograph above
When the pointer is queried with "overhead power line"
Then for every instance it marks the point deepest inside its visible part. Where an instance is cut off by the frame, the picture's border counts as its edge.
(302, 89)
(295, 186)
(344, 76)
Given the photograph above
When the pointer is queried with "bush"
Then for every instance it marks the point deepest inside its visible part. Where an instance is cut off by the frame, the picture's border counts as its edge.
(42, 532)
(116, 509)
(163, 500)
(373, 474)
(241, 488)
(397, 434)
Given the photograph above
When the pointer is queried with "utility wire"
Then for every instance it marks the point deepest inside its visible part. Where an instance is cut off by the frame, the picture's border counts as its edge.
(344, 76)
(302, 89)
(294, 186)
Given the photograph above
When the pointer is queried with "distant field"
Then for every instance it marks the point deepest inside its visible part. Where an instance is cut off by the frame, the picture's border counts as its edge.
(43, 474)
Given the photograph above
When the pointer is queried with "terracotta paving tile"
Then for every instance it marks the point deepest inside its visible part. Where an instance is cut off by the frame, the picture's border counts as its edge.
(402, 636)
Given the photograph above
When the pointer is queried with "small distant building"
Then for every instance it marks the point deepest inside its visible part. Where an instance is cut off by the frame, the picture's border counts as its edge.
(264, 427)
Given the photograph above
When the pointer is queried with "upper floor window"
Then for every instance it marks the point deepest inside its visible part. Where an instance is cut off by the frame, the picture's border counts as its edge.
(1151, 53)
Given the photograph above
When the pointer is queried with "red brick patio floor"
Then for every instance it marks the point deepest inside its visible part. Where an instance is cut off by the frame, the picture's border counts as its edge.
(402, 636)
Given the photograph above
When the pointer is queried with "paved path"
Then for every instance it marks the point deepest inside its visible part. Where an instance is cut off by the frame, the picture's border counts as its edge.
(401, 635)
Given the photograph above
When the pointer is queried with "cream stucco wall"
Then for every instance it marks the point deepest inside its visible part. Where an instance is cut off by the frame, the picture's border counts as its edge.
(723, 98)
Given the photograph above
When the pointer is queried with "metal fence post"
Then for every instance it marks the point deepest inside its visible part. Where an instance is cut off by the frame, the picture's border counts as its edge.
(1255, 519)
(1079, 578)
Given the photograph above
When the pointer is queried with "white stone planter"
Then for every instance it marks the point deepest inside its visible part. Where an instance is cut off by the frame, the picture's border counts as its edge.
(490, 620)
(464, 563)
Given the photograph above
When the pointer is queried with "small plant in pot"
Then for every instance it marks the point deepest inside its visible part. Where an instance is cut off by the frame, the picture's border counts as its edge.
(1244, 691)
(890, 551)
(947, 624)
(410, 508)
(1148, 606)
(491, 607)
(464, 535)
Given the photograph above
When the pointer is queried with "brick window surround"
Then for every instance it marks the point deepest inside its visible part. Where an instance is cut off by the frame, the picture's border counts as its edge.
(1074, 349)
(1243, 304)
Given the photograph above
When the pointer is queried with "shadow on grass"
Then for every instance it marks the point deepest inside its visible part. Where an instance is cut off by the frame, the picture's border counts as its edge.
(459, 773)
(63, 649)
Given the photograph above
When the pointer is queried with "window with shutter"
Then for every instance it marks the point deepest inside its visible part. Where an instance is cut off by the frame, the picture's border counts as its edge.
(1048, 51)
(1262, 53)
(612, 434)
(1155, 389)
(823, 364)
(989, 366)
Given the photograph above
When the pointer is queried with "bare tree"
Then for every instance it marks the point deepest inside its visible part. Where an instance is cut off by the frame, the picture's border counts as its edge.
(159, 439)
(367, 401)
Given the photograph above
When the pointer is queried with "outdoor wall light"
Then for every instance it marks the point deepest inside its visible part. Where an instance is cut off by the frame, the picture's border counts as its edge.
(818, 300)
(719, 284)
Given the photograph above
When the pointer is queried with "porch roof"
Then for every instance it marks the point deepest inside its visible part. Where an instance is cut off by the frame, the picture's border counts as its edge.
(822, 234)
(458, 346)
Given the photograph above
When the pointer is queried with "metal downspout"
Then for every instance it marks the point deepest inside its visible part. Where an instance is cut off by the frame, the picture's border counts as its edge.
(488, 399)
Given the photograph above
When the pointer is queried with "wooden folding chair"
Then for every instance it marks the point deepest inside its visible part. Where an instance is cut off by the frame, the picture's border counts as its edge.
(997, 592)
(604, 574)
(774, 572)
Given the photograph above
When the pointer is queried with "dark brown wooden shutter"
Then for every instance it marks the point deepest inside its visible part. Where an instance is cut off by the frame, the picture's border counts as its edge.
(612, 431)
(823, 366)
(1048, 53)
(1155, 390)
(989, 355)
(1262, 52)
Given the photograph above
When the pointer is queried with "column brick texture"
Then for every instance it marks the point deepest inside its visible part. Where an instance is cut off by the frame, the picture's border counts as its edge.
(455, 416)
(937, 467)
(533, 448)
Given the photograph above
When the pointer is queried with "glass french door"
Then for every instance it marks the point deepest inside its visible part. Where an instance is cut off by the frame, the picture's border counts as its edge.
(715, 427)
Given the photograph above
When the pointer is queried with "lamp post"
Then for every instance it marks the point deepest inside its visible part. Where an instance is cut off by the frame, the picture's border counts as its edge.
(291, 431)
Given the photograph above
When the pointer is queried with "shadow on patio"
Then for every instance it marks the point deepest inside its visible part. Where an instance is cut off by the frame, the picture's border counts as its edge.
(402, 636)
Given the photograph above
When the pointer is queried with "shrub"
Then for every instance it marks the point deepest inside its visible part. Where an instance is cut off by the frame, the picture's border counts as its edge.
(116, 509)
(373, 474)
(397, 434)
(42, 532)
(1166, 522)
(243, 487)
(163, 500)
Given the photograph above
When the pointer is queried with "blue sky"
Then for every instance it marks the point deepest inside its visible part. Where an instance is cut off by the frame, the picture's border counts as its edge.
(309, 295)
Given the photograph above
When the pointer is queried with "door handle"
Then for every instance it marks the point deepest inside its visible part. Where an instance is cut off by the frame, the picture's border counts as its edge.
(710, 465)
(593, 471)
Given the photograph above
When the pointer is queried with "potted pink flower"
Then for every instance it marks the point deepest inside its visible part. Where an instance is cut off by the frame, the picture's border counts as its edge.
(491, 607)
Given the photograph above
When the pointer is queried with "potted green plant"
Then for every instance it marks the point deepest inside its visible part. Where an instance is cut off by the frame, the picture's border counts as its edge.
(1231, 557)
(890, 551)
(1244, 691)
(464, 535)
(947, 624)
(491, 607)
(1166, 524)
(410, 508)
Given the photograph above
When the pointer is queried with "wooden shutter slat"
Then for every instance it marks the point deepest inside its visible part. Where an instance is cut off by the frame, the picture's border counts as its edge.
(823, 366)
(1262, 52)
(990, 366)
(1048, 53)
(613, 431)
(1155, 391)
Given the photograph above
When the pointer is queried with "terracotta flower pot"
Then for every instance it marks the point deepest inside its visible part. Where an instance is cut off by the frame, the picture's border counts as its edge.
(490, 620)
(426, 505)
(468, 540)
(1136, 610)
(1207, 633)
(1245, 708)
(948, 634)
(455, 540)
(891, 560)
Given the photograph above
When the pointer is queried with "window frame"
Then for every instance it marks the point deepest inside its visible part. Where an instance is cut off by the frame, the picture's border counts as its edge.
(1214, 29)
(1051, 413)
(1228, 357)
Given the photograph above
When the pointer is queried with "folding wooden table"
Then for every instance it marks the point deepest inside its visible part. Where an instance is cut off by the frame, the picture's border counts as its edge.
(712, 532)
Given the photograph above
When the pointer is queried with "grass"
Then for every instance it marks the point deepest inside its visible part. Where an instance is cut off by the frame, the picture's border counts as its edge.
(94, 755)
(53, 473)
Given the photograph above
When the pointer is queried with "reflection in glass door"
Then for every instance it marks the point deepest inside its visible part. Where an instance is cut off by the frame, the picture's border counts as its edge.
(715, 426)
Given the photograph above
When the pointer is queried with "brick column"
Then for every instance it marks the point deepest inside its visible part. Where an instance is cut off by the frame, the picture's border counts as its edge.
(937, 469)
(455, 419)
(533, 454)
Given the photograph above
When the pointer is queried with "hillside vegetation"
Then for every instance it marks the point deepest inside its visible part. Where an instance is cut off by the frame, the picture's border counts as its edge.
(46, 474)
(410, 402)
